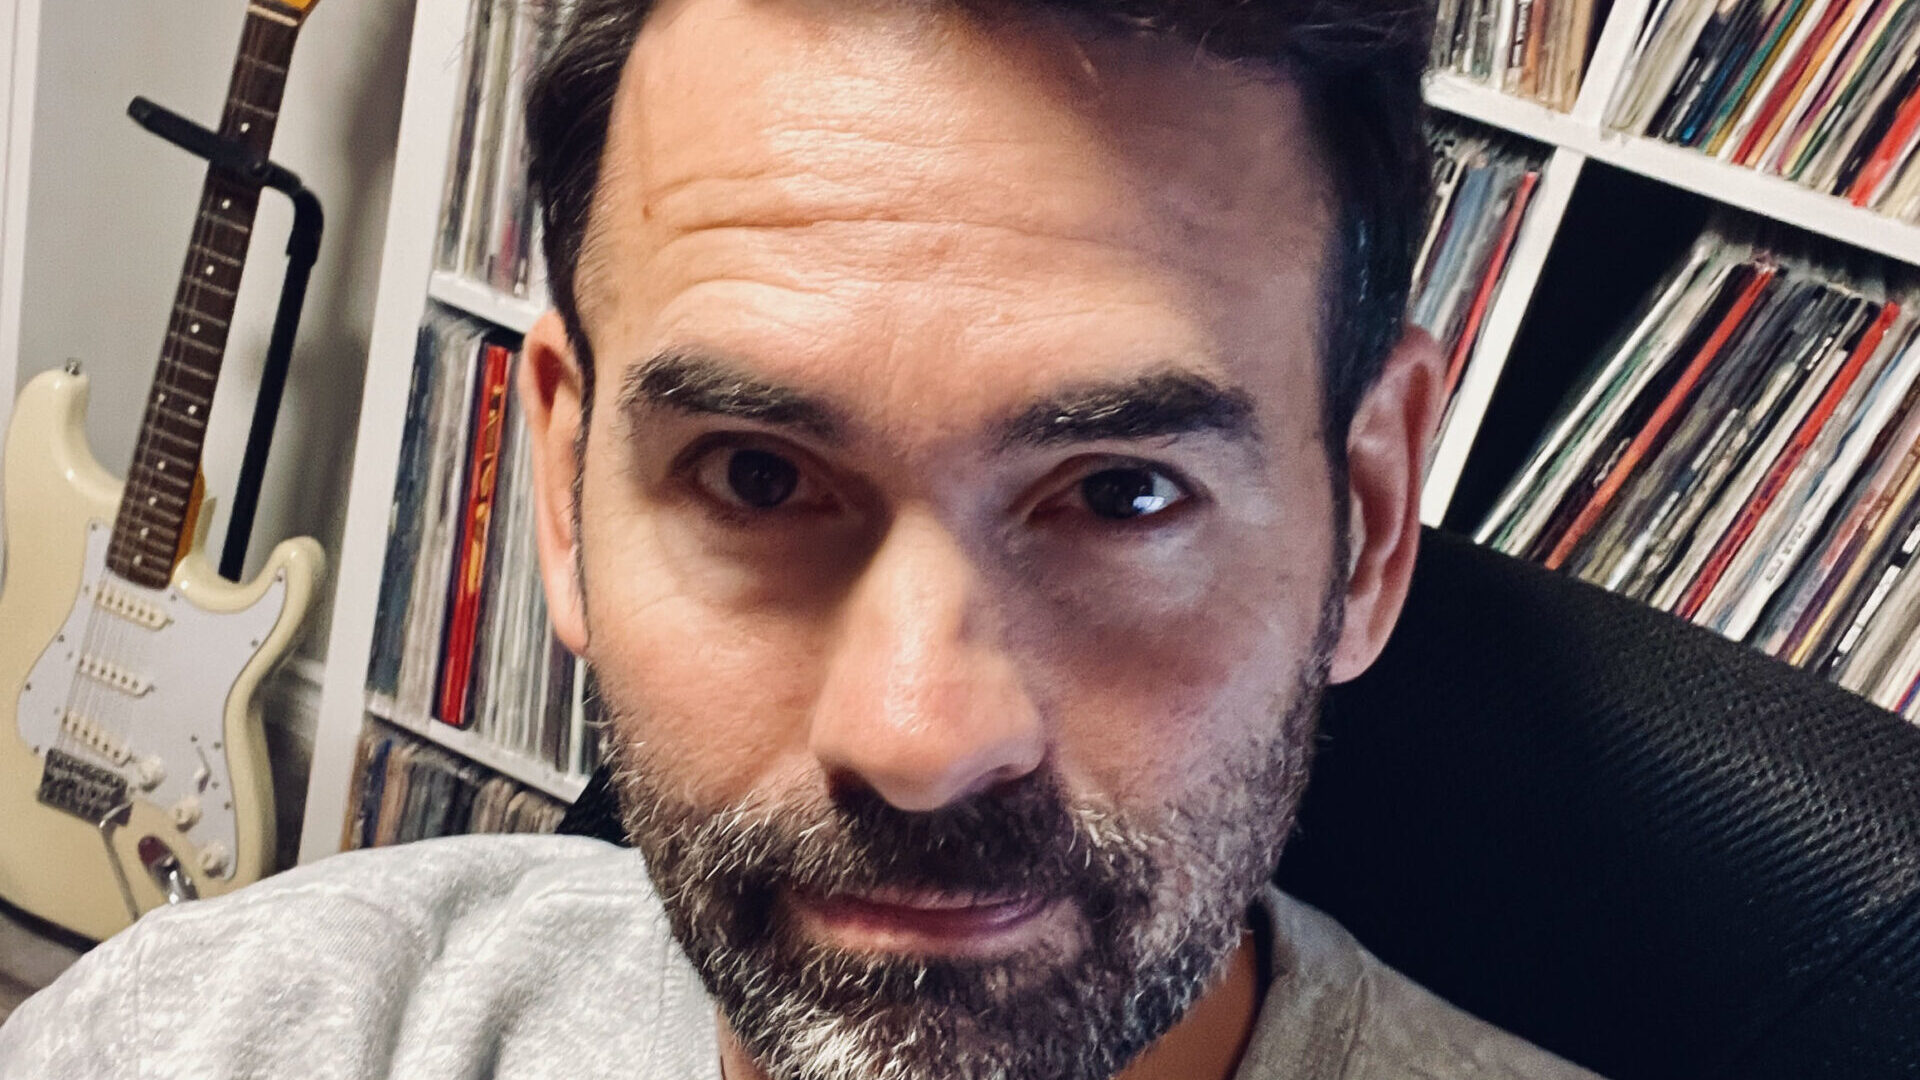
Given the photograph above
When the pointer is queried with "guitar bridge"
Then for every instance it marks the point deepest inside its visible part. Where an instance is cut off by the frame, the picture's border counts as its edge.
(81, 788)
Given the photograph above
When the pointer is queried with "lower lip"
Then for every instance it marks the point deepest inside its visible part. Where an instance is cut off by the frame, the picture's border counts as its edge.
(880, 926)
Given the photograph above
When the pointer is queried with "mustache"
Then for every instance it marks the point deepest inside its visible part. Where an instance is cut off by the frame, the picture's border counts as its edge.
(1022, 838)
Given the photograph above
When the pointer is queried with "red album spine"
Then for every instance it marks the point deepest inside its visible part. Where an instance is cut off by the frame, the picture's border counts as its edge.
(1887, 154)
(470, 554)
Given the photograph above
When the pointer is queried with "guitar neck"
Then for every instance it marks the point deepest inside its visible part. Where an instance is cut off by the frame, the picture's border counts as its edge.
(159, 498)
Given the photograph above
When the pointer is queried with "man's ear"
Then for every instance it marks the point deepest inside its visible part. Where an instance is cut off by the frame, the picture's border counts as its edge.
(1386, 455)
(553, 397)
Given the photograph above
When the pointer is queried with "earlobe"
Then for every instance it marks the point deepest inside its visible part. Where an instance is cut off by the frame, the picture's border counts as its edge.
(1386, 455)
(552, 395)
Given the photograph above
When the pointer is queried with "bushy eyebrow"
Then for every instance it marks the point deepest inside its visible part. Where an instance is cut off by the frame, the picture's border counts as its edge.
(699, 385)
(1149, 406)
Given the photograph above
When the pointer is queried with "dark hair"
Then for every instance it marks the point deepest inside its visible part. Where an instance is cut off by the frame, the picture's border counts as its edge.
(1357, 63)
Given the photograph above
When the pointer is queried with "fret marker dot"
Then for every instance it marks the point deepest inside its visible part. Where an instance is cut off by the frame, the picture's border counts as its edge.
(161, 466)
(191, 409)
(136, 560)
(151, 501)
(245, 127)
(226, 204)
(143, 533)
(160, 399)
(209, 269)
(194, 329)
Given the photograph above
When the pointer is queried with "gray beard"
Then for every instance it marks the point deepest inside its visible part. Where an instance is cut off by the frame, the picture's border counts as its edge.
(1161, 896)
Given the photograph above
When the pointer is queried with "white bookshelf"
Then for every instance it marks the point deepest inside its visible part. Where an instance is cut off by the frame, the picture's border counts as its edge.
(529, 771)
(1721, 181)
(409, 280)
(514, 313)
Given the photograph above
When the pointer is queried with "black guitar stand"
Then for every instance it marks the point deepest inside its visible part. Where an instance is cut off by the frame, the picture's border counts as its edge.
(303, 247)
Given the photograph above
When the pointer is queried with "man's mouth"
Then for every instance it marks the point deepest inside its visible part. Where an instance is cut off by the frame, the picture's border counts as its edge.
(914, 921)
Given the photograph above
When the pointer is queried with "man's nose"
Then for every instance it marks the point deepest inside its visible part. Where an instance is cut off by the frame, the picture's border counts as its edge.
(920, 701)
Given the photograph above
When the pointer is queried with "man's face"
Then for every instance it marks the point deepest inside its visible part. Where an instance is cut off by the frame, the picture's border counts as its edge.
(958, 554)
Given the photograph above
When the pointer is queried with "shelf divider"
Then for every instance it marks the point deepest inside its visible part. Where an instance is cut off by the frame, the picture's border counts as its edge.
(509, 763)
(1497, 335)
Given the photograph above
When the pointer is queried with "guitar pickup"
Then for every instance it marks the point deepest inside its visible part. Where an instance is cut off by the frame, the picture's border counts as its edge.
(133, 609)
(106, 671)
(96, 740)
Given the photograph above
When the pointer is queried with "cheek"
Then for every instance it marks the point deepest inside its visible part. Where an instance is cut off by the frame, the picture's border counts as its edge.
(697, 673)
(719, 699)
(1149, 697)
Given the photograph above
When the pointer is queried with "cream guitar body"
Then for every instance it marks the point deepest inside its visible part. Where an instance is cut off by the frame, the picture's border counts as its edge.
(132, 765)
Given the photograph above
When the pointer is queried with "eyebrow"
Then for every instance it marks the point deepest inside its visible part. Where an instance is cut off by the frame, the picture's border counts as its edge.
(697, 385)
(1151, 406)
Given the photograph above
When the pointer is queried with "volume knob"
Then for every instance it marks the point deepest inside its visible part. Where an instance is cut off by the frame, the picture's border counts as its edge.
(151, 771)
(186, 812)
(214, 858)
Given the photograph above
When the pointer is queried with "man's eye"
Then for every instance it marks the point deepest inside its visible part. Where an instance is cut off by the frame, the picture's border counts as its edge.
(749, 478)
(1127, 493)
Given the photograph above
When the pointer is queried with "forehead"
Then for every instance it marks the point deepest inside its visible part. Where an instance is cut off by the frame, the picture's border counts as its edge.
(782, 175)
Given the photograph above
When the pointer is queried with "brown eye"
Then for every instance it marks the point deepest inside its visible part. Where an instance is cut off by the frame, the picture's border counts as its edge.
(1128, 493)
(758, 479)
(761, 479)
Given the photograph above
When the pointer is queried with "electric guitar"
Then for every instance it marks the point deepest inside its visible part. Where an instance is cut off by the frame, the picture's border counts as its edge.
(133, 772)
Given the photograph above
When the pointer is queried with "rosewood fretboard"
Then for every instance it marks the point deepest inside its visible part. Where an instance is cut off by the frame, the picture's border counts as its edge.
(166, 458)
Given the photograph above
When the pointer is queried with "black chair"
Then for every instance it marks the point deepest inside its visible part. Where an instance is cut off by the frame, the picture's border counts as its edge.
(1650, 850)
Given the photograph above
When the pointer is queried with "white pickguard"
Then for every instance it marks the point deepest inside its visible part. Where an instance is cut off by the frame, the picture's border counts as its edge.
(159, 692)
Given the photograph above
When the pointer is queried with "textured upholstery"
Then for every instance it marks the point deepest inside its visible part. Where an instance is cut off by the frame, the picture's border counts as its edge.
(1653, 851)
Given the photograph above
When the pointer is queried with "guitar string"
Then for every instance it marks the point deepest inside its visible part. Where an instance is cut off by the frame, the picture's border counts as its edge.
(89, 701)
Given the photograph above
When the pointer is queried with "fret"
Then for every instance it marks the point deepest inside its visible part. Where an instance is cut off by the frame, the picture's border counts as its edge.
(160, 459)
(191, 437)
(174, 388)
(152, 537)
(213, 254)
(150, 520)
(228, 223)
(188, 417)
(212, 288)
(180, 480)
(188, 339)
(148, 495)
(152, 551)
(192, 444)
(264, 65)
(203, 316)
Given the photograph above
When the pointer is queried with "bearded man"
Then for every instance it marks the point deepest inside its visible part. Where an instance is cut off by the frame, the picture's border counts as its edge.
(969, 437)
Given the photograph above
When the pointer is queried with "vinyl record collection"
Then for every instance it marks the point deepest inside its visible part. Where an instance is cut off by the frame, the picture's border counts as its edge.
(1823, 92)
(1531, 48)
(1482, 188)
(488, 228)
(405, 790)
(461, 635)
(1747, 455)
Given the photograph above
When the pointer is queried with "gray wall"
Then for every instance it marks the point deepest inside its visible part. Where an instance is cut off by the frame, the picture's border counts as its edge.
(110, 209)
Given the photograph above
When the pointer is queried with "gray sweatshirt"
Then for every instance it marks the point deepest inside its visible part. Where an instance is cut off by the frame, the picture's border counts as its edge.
(549, 958)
